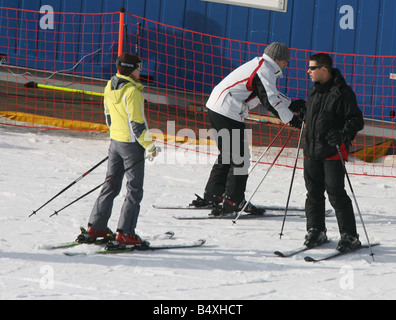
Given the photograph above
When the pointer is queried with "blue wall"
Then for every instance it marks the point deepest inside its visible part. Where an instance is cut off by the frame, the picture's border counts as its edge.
(307, 24)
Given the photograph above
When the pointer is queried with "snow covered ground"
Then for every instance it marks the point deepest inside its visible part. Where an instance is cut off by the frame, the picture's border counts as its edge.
(236, 263)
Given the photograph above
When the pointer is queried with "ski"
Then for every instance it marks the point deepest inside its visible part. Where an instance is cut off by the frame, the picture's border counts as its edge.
(336, 253)
(210, 207)
(74, 244)
(244, 216)
(293, 252)
(114, 248)
(233, 216)
(101, 241)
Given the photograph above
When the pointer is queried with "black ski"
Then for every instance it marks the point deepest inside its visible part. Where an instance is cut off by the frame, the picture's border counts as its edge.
(101, 241)
(233, 216)
(211, 207)
(293, 252)
(244, 216)
(336, 253)
(114, 248)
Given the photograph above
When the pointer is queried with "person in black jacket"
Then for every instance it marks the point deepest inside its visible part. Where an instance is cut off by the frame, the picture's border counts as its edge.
(332, 120)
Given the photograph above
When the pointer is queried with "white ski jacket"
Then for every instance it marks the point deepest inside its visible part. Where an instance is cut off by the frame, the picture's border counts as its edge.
(247, 86)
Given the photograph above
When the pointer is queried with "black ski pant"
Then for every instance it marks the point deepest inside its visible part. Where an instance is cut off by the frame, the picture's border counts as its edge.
(230, 172)
(329, 176)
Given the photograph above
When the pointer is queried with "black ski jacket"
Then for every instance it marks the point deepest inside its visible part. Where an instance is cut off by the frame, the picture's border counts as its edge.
(331, 105)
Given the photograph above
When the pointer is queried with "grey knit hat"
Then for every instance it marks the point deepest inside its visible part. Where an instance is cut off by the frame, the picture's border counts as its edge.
(278, 51)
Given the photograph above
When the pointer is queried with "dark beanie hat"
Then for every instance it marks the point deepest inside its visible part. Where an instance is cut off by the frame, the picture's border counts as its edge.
(126, 63)
(278, 51)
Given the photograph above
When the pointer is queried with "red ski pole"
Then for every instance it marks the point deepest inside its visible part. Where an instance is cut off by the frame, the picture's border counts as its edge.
(269, 169)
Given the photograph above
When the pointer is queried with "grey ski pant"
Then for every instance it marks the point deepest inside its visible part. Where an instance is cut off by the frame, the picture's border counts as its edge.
(121, 156)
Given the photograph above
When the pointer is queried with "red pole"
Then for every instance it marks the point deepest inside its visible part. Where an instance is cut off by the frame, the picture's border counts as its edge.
(121, 32)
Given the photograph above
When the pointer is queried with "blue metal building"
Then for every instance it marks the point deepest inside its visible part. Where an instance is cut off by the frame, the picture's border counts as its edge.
(307, 24)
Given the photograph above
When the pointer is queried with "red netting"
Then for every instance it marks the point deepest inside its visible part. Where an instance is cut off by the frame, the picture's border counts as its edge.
(181, 68)
(75, 54)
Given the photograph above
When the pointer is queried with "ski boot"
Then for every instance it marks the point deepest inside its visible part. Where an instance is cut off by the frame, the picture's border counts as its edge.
(251, 209)
(229, 207)
(315, 237)
(348, 243)
(206, 201)
(124, 240)
(128, 240)
(92, 235)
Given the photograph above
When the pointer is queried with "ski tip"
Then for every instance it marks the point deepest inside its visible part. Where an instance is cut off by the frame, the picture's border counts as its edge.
(279, 254)
(170, 233)
(74, 254)
(309, 259)
(47, 247)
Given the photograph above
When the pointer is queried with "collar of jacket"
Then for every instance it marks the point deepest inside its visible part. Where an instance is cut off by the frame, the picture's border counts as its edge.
(274, 66)
(138, 85)
(335, 84)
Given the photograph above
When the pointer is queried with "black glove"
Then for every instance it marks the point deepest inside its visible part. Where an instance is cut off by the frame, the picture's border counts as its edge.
(301, 115)
(296, 122)
(298, 106)
(335, 137)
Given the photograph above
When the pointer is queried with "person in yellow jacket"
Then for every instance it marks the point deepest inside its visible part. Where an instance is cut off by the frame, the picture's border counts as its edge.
(129, 140)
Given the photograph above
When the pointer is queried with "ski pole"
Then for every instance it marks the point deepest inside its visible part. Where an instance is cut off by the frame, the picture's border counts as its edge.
(33, 84)
(97, 187)
(71, 184)
(292, 179)
(356, 203)
(266, 150)
(269, 169)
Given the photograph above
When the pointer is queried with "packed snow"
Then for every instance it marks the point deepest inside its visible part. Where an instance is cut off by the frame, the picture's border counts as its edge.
(236, 263)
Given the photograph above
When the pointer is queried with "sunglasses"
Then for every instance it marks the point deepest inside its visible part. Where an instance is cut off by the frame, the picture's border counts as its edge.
(314, 67)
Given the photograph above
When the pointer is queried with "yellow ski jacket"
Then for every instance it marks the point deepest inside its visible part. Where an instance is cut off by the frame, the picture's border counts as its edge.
(124, 111)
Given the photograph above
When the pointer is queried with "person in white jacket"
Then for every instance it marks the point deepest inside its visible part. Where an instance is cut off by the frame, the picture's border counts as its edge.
(228, 105)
